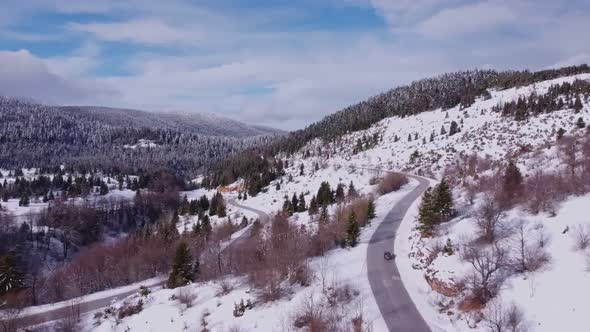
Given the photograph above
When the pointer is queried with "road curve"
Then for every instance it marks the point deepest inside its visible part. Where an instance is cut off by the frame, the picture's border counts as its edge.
(396, 306)
(78, 307)
(88, 306)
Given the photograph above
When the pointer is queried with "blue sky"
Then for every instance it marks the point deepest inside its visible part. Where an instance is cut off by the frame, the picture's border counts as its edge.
(278, 63)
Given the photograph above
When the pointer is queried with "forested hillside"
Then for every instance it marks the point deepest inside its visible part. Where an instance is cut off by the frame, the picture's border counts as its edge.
(442, 92)
(35, 135)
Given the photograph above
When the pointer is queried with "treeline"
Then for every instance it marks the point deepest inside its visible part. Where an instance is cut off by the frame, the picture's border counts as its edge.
(558, 97)
(445, 91)
(69, 183)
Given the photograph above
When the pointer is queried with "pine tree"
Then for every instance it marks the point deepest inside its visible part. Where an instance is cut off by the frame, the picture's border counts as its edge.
(580, 123)
(352, 230)
(182, 268)
(443, 130)
(288, 206)
(10, 277)
(512, 182)
(206, 226)
(352, 193)
(578, 104)
(294, 203)
(24, 200)
(221, 209)
(313, 207)
(371, 209)
(324, 215)
(443, 201)
(427, 214)
(560, 133)
(302, 206)
(454, 128)
(301, 173)
(340, 192)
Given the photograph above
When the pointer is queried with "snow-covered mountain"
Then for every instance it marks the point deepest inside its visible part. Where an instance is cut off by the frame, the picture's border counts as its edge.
(35, 135)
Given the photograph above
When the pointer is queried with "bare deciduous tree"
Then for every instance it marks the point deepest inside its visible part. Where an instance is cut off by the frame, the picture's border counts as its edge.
(489, 219)
(487, 264)
(499, 318)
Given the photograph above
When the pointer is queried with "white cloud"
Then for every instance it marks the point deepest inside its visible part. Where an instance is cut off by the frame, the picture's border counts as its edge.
(24, 75)
(468, 19)
(142, 31)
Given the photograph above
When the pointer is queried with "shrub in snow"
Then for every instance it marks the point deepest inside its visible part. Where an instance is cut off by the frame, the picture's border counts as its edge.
(582, 237)
(391, 182)
(240, 308)
(501, 318)
(185, 296)
(128, 309)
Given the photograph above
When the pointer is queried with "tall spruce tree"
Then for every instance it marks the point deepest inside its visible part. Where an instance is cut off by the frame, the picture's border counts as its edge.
(313, 206)
(352, 193)
(352, 230)
(371, 209)
(324, 215)
(302, 207)
(443, 201)
(427, 216)
(182, 267)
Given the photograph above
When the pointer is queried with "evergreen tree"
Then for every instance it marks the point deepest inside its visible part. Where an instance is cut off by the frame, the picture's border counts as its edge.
(221, 209)
(352, 193)
(182, 268)
(371, 209)
(443, 130)
(560, 133)
(352, 230)
(432, 136)
(426, 214)
(324, 195)
(10, 277)
(580, 123)
(294, 203)
(301, 173)
(443, 201)
(206, 226)
(24, 200)
(245, 195)
(302, 206)
(340, 192)
(512, 182)
(324, 215)
(578, 104)
(454, 128)
(313, 207)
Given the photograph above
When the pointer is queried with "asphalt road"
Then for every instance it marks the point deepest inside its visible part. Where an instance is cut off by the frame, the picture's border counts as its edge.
(396, 306)
(88, 306)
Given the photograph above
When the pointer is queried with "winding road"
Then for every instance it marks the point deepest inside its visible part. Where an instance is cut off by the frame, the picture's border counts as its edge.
(396, 306)
(84, 307)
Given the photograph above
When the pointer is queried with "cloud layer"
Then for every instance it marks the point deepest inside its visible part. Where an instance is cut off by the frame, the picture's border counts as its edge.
(271, 64)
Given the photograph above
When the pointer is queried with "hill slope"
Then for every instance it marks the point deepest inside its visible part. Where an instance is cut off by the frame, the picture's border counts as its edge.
(35, 135)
